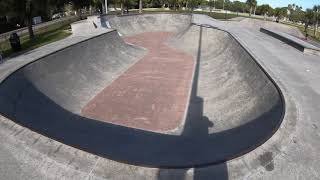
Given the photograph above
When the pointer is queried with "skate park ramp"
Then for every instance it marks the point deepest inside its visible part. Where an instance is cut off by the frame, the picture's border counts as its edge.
(233, 105)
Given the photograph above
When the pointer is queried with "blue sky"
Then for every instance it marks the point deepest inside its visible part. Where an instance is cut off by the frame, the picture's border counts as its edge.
(283, 3)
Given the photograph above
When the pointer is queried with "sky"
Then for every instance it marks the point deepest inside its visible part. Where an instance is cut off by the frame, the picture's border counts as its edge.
(284, 3)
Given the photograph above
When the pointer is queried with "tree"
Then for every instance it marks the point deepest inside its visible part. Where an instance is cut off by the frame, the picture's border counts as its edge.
(291, 8)
(219, 4)
(23, 10)
(316, 12)
(180, 3)
(308, 19)
(176, 4)
(264, 10)
(252, 5)
(140, 6)
(194, 3)
(280, 12)
(228, 5)
(5, 7)
(97, 5)
(238, 6)
(28, 12)
(129, 4)
(297, 14)
(211, 4)
(59, 5)
(79, 4)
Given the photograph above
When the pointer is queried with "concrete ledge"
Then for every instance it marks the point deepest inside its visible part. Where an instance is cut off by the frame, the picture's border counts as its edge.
(293, 41)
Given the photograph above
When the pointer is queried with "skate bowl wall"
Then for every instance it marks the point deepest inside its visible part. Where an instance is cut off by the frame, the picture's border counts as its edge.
(232, 87)
(135, 24)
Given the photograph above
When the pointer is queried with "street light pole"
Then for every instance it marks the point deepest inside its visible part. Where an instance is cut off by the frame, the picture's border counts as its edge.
(106, 6)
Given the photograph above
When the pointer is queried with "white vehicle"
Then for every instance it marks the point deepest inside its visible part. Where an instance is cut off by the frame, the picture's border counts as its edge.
(57, 16)
(198, 9)
(37, 20)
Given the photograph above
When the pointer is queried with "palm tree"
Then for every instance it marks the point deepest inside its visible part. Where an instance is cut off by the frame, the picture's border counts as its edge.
(211, 4)
(308, 18)
(316, 10)
(140, 6)
(28, 11)
(265, 8)
(252, 4)
(186, 2)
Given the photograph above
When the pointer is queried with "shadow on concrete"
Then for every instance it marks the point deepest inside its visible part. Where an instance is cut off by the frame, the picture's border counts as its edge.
(27, 105)
(196, 125)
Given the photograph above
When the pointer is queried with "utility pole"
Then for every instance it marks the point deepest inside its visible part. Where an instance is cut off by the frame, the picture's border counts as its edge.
(106, 6)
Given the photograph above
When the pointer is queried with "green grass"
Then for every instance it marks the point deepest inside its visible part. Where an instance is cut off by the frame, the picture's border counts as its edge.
(41, 38)
(221, 16)
(216, 15)
(310, 31)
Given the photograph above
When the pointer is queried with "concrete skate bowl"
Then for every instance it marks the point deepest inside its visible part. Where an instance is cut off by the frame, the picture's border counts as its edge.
(231, 107)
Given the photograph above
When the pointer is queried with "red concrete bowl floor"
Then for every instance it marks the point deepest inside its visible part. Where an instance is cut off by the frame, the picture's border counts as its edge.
(152, 94)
